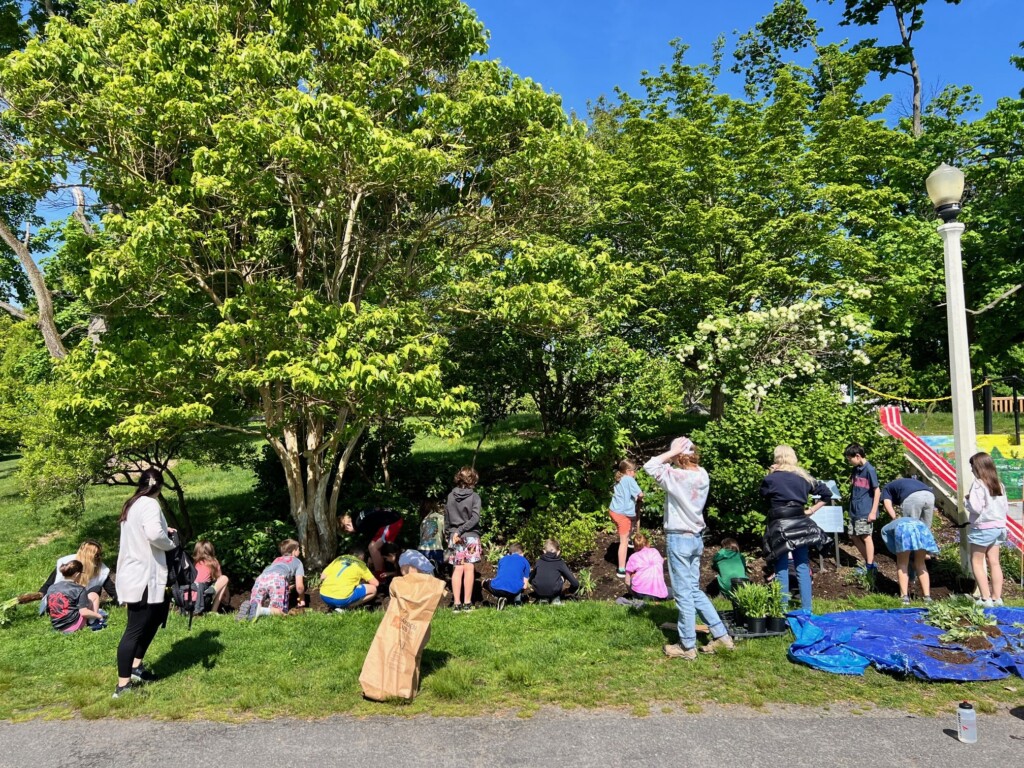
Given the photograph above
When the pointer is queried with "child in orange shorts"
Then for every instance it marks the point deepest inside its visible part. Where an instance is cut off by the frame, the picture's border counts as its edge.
(623, 508)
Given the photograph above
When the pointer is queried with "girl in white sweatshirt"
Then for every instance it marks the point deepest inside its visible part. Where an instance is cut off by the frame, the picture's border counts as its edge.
(986, 504)
(686, 483)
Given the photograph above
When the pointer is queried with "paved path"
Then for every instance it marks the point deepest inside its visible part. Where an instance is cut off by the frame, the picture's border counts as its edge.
(550, 738)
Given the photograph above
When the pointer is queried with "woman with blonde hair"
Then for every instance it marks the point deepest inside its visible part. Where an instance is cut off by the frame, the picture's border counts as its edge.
(95, 574)
(788, 487)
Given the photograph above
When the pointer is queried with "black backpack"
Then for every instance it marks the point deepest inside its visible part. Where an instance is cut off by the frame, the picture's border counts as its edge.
(181, 578)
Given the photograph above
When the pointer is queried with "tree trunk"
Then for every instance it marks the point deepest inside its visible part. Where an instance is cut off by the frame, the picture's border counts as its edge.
(183, 521)
(915, 72)
(47, 326)
(314, 477)
(717, 402)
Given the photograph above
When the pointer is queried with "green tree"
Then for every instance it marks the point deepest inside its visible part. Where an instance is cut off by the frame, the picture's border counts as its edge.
(736, 205)
(24, 364)
(899, 58)
(288, 186)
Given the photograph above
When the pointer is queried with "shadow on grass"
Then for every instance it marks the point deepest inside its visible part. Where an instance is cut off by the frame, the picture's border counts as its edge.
(433, 661)
(201, 649)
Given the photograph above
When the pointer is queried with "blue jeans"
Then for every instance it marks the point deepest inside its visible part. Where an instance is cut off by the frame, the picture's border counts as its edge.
(802, 560)
(684, 553)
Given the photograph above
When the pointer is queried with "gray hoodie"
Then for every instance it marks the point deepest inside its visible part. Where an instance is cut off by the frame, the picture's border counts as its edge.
(462, 513)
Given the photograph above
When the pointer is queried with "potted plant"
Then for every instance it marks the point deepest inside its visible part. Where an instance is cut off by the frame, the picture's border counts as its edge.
(752, 599)
(738, 617)
(776, 609)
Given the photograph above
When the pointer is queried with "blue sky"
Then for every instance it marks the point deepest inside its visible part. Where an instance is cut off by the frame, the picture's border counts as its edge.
(583, 48)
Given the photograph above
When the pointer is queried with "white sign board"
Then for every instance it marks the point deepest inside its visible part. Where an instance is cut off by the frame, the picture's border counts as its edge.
(829, 519)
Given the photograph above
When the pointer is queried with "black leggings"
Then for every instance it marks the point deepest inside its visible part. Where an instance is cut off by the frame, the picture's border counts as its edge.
(144, 619)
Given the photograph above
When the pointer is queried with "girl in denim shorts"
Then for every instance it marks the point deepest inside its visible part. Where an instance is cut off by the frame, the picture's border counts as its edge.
(986, 503)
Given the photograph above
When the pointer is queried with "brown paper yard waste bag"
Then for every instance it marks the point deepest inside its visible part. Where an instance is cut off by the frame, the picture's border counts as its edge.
(392, 666)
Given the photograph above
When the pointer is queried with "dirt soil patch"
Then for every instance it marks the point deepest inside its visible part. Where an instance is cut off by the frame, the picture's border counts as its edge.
(977, 643)
(950, 656)
(992, 630)
(602, 562)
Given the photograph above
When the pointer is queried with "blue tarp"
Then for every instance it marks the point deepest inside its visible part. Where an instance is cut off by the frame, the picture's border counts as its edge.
(899, 641)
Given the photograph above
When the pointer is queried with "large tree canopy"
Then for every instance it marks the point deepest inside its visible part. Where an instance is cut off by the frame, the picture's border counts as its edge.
(286, 186)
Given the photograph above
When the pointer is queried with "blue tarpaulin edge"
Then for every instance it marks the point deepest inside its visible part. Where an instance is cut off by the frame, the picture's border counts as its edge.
(899, 641)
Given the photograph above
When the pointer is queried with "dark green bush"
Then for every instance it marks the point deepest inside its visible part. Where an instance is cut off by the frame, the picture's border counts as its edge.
(245, 550)
(575, 534)
(737, 449)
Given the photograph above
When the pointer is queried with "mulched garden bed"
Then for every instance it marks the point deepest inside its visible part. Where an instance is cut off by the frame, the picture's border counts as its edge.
(828, 584)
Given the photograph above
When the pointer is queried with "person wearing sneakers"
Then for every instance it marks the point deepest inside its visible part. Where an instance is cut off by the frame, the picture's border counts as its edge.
(142, 577)
(70, 604)
(275, 584)
(788, 488)
(864, 498)
(645, 574)
(906, 537)
(551, 577)
(915, 499)
(988, 510)
(512, 579)
(622, 508)
(462, 531)
(686, 483)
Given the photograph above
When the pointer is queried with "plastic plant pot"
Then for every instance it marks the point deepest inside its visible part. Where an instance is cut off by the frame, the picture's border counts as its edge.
(756, 626)
(777, 624)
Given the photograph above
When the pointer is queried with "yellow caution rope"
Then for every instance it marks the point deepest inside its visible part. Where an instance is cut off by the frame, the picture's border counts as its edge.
(903, 399)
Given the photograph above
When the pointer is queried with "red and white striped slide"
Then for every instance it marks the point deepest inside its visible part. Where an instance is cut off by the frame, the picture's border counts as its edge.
(892, 422)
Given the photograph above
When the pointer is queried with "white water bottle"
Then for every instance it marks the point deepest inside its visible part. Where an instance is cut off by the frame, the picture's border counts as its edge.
(967, 723)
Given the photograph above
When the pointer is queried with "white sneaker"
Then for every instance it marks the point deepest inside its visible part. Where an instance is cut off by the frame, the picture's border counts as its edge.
(985, 603)
(997, 603)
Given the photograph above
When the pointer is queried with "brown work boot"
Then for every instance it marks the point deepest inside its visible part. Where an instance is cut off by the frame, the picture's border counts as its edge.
(676, 651)
(723, 643)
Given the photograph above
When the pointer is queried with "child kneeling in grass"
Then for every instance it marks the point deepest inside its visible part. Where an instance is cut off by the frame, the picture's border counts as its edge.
(551, 576)
(729, 564)
(70, 604)
(347, 582)
(512, 579)
(645, 572)
(275, 584)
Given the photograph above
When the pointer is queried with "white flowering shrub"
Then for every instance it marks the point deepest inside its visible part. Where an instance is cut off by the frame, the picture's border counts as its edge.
(757, 351)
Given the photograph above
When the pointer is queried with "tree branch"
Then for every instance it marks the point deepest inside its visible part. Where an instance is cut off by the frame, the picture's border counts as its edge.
(13, 310)
(997, 300)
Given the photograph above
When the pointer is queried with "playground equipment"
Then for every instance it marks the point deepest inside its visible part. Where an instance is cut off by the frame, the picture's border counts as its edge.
(937, 472)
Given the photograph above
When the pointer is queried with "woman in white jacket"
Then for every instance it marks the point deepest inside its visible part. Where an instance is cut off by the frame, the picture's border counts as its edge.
(142, 576)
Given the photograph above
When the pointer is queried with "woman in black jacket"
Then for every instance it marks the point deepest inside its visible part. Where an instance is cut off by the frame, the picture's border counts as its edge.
(787, 488)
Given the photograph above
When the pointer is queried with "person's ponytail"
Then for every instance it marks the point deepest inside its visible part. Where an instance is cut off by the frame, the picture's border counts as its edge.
(150, 484)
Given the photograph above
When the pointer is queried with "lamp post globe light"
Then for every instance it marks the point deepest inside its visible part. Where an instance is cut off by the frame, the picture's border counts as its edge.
(945, 189)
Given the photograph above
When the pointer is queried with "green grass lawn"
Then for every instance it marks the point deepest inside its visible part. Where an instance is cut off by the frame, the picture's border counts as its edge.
(580, 655)
(941, 423)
